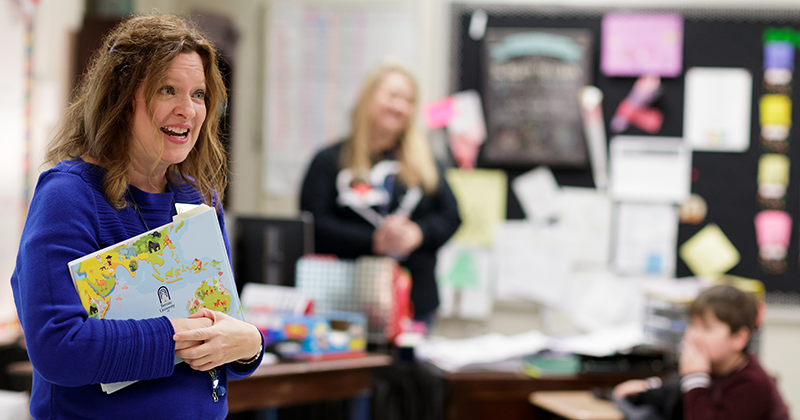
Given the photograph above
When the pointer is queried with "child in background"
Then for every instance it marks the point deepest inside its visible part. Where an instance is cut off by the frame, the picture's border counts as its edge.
(719, 378)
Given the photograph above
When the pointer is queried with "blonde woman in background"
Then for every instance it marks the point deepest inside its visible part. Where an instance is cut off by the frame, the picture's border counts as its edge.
(380, 191)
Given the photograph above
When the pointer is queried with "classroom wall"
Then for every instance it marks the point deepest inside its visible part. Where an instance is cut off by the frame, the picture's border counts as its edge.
(56, 21)
(247, 192)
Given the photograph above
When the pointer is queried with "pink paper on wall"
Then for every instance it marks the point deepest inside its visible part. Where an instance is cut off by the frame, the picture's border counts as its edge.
(439, 114)
(467, 129)
(773, 229)
(640, 44)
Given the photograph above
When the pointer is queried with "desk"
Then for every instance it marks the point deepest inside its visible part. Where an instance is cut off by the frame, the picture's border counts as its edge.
(286, 384)
(504, 395)
(575, 405)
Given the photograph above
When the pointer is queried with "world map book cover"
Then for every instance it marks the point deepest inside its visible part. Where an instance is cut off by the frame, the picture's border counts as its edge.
(173, 270)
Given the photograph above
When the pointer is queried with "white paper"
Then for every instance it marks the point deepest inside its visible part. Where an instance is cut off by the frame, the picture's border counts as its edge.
(538, 193)
(468, 116)
(596, 300)
(681, 290)
(603, 342)
(272, 298)
(646, 239)
(317, 57)
(472, 299)
(716, 110)
(650, 169)
(453, 355)
(14, 405)
(531, 263)
(585, 221)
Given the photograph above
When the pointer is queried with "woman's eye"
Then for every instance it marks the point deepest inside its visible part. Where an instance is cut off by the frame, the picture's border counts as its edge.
(199, 94)
(168, 90)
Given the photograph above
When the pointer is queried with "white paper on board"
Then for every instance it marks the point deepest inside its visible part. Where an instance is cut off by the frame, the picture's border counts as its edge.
(585, 221)
(650, 169)
(531, 263)
(538, 193)
(646, 239)
(717, 108)
(464, 298)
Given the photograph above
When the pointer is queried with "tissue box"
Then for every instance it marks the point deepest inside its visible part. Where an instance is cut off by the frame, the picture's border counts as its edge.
(334, 335)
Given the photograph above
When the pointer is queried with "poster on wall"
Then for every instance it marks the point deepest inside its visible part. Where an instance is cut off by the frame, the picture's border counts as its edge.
(531, 91)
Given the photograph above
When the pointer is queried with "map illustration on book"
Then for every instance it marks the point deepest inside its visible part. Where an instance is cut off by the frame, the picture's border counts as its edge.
(173, 270)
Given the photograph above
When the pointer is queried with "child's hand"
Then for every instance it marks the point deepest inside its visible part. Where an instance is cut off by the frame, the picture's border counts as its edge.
(693, 359)
(634, 386)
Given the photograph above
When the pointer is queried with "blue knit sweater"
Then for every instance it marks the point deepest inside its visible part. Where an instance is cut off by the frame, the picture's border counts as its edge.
(71, 353)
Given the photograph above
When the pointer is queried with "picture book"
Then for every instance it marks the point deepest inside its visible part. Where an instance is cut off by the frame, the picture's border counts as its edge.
(173, 270)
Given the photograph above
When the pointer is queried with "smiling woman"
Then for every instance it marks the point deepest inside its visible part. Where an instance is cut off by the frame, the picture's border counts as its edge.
(139, 65)
(165, 132)
(380, 192)
(140, 136)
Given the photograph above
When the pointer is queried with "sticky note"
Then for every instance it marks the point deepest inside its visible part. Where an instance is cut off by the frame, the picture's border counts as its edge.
(773, 229)
(775, 110)
(439, 114)
(773, 168)
(779, 55)
(481, 195)
(709, 252)
(637, 44)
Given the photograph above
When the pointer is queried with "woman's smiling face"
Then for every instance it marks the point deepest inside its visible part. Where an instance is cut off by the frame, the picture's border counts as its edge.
(391, 109)
(178, 109)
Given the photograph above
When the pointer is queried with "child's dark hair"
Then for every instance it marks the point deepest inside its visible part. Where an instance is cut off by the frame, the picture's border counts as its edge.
(730, 305)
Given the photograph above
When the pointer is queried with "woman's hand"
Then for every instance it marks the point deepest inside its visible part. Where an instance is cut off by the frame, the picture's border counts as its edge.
(397, 236)
(225, 341)
(185, 324)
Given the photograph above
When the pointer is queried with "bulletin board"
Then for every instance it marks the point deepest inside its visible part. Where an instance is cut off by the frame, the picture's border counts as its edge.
(713, 37)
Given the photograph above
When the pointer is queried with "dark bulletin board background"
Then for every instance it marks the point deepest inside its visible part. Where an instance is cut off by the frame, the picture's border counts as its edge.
(712, 38)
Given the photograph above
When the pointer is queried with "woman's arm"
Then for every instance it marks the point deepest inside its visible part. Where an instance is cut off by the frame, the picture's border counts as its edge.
(440, 224)
(65, 346)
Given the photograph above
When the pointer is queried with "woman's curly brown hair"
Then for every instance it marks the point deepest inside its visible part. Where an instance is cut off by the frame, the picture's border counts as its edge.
(98, 123)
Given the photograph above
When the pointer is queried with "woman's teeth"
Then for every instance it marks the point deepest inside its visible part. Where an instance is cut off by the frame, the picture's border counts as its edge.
(175, 131)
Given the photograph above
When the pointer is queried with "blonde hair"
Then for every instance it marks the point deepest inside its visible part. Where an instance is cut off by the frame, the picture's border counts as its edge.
(98, 123)
(417, 166)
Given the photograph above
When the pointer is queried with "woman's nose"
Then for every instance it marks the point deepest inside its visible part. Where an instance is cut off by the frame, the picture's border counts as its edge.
(185, 107)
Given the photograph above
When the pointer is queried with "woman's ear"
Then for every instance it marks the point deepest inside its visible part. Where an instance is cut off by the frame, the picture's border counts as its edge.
(740, 338)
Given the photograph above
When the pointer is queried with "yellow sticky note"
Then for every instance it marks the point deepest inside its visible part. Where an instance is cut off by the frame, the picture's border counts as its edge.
(481, 196)
(775, 110)
(709, 252)
(773, 168)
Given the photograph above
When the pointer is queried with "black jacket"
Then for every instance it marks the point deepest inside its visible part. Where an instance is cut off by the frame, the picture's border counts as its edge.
(338, 230)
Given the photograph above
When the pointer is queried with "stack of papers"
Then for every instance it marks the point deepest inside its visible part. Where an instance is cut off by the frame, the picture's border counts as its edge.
(505, 353)
(489, 351)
